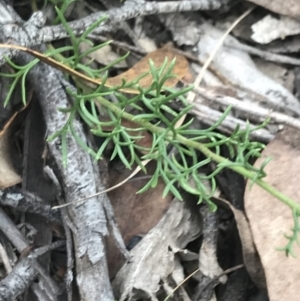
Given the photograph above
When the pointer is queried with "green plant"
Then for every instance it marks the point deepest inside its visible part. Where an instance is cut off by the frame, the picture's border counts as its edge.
(175, 149)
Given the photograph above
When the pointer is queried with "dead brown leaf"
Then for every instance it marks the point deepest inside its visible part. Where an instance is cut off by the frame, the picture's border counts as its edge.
(288, 7)
(270, 219)
(135, 214)
(158, 57)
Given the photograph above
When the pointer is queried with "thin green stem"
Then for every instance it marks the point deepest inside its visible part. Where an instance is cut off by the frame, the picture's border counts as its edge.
(207, 152)
(242, 171)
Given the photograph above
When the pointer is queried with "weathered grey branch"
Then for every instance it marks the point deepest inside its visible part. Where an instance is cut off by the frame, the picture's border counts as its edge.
(131, 9)
(109, 4)
(77, 180)
(18, 280)
(67, 226)
(267, 55)
(33, 33)
(23, 273)
(25, 35)
(208, 263)
(28, 202)
(210, 116)
(252, 111)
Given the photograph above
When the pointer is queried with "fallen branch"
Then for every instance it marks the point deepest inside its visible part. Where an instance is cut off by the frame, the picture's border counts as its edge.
(28, 202)
(23, 273)
(18, 280)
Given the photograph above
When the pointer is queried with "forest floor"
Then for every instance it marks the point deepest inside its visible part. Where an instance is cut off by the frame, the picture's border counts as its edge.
(149, 150)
